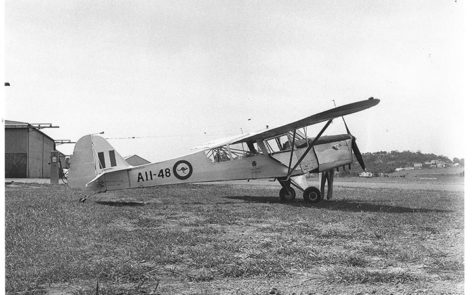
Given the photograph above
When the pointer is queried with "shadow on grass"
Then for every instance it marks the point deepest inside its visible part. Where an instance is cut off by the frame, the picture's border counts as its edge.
(121, 203)
(340, 205)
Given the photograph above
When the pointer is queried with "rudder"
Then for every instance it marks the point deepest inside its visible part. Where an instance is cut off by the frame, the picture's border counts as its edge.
(92, 156)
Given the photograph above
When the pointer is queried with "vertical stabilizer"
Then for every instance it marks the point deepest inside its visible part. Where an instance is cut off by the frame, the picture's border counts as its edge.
(92, 156)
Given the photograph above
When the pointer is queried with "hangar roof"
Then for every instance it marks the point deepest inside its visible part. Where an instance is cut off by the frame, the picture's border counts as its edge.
(9, 124)
(15, 124)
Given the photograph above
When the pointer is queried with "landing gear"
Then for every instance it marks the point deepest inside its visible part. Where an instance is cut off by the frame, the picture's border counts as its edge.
(312, 195)
(287, 194)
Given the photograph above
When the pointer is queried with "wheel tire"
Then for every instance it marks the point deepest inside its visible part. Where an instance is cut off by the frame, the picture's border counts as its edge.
(312, 195)
(285, 195)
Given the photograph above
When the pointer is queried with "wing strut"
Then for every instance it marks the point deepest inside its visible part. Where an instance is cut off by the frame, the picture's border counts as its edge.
(293, 148)
(310, 146)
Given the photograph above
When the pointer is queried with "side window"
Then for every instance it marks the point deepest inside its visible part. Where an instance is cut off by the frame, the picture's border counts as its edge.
(243, 150)
(219, 154)
(278, 144)
(272, 145)
(285, 142)
(238, 151)
(101, 158)
(232, 152)
(253, 148)
(112, 158)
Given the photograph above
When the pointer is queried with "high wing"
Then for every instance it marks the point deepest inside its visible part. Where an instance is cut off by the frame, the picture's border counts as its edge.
(223, 141)
(311, 120)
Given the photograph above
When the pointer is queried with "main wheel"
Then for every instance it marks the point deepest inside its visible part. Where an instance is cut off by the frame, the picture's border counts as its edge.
(312, 195)
(287, 195)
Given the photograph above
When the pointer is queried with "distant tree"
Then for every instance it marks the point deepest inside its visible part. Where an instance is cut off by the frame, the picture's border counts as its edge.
(386, 162)
(459, 161)
(444, 158)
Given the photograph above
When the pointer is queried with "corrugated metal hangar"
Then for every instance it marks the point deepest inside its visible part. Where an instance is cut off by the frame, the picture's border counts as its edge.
(27, 151)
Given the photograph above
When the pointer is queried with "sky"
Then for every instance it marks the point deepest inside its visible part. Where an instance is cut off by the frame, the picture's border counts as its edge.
(178, 74)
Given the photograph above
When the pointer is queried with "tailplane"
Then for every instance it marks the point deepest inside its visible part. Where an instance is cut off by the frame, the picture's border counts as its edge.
(92, 156)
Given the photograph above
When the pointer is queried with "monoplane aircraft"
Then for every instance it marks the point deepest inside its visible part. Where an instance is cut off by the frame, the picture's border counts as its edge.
(285, 153)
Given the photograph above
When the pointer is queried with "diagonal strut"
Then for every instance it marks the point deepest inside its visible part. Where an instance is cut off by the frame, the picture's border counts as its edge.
(310, 146)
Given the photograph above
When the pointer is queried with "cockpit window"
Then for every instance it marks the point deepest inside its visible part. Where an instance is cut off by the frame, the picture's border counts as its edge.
(272, 145)
(219, 154)
(232, 152)
(285, 142)
(278, 144)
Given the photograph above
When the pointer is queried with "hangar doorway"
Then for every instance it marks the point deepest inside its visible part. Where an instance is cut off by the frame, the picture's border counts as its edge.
(15, 165)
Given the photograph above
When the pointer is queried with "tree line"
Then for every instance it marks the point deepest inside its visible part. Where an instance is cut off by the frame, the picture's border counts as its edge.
(387, 162)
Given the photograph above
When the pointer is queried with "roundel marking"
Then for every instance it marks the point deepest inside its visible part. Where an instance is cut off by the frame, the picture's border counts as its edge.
(182, 169)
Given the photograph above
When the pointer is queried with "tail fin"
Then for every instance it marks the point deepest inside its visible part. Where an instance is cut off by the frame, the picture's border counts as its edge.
(92, 155)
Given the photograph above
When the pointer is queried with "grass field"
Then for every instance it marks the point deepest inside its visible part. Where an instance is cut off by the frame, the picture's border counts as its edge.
(233, 239)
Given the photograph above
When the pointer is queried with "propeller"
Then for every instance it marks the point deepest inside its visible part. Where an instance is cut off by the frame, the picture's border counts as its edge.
(355, 148)
(357, 152)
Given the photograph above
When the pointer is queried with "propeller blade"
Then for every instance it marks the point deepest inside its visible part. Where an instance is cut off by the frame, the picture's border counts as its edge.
(355, 148)
(357, 153)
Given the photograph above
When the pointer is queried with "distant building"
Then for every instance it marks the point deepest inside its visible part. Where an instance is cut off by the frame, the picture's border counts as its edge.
(27, 151)
(404, 168)
(418, 165)
(136, 160)
(366, 174)
(438, 164)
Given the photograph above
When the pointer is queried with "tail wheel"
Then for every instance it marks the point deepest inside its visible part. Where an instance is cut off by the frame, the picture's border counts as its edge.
(312, 195)
(287, 194)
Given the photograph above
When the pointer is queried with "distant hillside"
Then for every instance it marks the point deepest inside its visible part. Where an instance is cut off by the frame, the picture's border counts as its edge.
(387, 162)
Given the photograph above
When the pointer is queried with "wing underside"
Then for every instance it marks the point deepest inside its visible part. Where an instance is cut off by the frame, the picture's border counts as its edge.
(311, 120)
